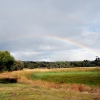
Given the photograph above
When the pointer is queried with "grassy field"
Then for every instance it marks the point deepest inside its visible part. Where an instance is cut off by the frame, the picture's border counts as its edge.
(80, 77)
(29, 92)
(51, 84)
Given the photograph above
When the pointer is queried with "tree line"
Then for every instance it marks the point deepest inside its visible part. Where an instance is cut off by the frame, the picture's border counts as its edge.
(58, 64)
(62, 64)
(8, 63)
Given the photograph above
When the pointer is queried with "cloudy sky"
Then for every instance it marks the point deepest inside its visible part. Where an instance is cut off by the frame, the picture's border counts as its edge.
(50, 30)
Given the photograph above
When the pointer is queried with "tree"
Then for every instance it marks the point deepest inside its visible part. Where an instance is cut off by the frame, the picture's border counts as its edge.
(18, 65)
(6, 61)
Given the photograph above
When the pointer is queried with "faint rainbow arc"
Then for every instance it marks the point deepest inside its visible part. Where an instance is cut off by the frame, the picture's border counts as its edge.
(61, 39)
(75, 43)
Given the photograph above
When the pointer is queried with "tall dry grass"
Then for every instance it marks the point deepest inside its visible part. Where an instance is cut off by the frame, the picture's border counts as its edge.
(24, 78)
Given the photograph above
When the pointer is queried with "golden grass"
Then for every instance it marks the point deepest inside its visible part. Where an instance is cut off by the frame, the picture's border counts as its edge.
(24, 77)
(27, 92)
(63, 69)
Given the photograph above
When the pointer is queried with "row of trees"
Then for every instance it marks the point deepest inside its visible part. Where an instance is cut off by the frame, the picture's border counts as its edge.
(8, 63)
(86, 63)
(62, 64)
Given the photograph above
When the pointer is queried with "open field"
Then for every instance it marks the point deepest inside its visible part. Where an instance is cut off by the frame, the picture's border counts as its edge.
(51, 84)
(79, 77)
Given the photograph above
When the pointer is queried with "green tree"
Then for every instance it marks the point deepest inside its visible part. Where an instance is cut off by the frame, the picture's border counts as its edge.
(6, 61)
(18, 65)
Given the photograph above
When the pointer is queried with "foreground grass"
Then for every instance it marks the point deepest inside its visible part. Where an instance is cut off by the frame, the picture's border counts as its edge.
(53, 84)
(29, 92)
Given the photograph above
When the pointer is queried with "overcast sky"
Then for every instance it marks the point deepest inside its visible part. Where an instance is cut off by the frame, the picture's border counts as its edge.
(50, 30)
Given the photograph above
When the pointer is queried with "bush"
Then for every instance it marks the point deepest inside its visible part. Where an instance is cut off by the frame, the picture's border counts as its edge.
(18, 65)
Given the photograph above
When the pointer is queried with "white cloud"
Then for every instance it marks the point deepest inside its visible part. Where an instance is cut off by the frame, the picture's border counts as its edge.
(73, 55)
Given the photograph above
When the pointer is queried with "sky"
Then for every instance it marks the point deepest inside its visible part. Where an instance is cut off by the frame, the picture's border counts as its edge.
(50, 30)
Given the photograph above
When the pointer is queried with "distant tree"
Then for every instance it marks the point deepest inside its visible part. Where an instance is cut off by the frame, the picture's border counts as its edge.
(86, 63)
(29, 65)
(18, 65)
(6, 61)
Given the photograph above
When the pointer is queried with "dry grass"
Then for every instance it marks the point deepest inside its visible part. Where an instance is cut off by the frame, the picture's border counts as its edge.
(27, 92)
(46, 90)
(63, 69)
(24, 77)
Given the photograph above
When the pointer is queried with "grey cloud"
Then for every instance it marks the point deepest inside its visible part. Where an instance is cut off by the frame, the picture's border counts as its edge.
(25, 27)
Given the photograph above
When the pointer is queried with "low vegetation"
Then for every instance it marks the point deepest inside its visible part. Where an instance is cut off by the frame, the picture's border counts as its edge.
(29, 92)
(51, 84)
(87, 78)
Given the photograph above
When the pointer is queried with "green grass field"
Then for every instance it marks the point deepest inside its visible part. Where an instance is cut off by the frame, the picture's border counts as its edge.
(89, 77)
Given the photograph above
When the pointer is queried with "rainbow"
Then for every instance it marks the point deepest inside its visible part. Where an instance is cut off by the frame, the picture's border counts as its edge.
(75, 43)
(58, 39)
